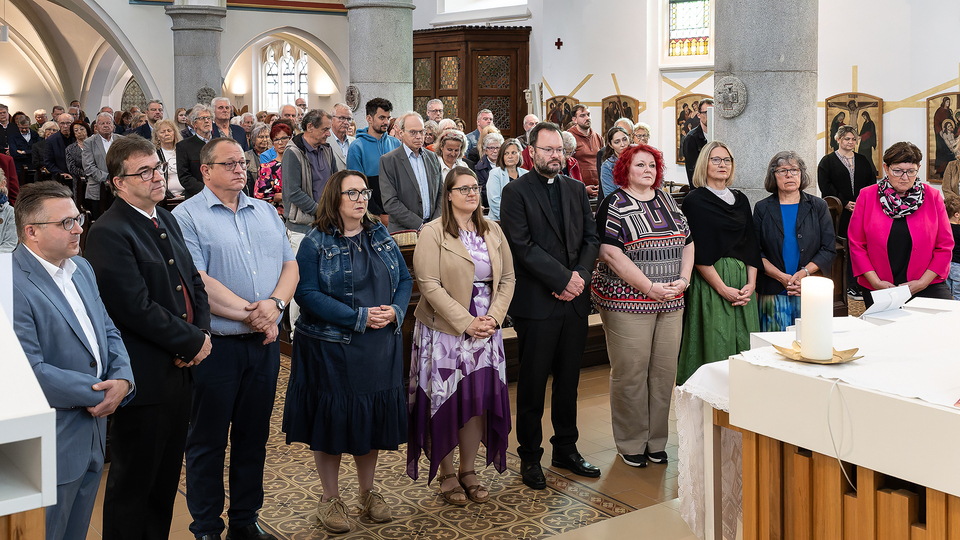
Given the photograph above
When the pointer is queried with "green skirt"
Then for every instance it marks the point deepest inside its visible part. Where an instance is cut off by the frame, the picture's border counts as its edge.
(715, 330)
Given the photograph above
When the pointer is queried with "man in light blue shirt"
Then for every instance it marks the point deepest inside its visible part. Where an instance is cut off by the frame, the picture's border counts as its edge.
(240, 248)
(410, 182)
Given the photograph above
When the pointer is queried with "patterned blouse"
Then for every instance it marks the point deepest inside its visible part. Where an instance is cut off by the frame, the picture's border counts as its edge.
(652, 234)
(269, 184)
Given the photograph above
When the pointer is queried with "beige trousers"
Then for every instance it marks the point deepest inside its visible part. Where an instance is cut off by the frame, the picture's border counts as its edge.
(643, 351)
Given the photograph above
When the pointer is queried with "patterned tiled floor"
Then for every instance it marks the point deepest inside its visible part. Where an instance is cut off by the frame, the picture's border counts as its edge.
(514, 511)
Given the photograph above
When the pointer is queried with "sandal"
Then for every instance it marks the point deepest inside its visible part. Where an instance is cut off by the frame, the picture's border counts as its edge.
(448, 495)
(474, 489)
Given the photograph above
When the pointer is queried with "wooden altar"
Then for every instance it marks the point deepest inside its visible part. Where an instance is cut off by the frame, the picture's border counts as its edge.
(794, 487)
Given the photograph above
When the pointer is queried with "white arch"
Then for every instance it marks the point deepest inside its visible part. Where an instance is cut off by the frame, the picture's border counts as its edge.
(47, 75)
(314, 46)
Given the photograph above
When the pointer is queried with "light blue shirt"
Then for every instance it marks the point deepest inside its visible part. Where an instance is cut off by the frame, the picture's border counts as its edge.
(269, 155)
(344, 146)
(244, 251)
(420, 171)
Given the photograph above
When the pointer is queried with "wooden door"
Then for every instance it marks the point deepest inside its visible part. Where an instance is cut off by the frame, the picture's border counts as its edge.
(438, 74)
(495, 76)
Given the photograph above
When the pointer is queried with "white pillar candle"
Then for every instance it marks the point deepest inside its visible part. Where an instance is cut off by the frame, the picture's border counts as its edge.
(816, 307)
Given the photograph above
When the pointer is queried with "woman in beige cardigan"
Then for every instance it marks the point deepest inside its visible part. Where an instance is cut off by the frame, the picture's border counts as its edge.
(458, 383)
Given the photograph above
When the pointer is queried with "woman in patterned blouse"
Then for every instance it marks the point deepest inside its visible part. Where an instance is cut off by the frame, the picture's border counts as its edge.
(269, 186)
(646, 257)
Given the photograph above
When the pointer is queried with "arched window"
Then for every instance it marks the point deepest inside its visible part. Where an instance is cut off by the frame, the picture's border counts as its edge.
(689, 27)
(284, 74)
(302, 84)
(271, 82)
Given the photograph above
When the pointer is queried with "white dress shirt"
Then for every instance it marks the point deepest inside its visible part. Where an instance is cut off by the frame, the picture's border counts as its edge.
(63, 276)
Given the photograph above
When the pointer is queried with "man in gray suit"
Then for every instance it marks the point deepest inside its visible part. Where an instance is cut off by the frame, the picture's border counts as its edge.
(410, 182)
(95, 161)
(72, 345)
(341, 141)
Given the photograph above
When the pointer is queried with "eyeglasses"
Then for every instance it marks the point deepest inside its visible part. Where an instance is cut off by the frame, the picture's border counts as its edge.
(231, 165)
(281, 140)
(492, 148)
(414, 133)
(912, 173)
(354, 194)
(203, 119)
(67, 223)
(550, 151)
(343, 118)
(643, 137)
(147, 174)
(787, 172)
(717, 161)
(467, 190)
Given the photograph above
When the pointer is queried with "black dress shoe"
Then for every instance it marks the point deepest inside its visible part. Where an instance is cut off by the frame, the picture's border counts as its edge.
(252, 531)
(532, 475)
(576, 464)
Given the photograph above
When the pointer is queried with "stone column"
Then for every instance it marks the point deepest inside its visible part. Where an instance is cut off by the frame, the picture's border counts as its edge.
(381, 52)
(196, 50)
(777, 62)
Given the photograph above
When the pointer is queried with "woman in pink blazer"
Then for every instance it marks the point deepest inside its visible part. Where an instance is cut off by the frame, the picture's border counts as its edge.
(899, 233)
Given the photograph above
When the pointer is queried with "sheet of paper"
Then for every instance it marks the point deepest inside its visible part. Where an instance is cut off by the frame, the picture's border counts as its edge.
(888, 299)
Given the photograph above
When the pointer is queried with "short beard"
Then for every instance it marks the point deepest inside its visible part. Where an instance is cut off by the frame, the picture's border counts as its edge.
(542, 170)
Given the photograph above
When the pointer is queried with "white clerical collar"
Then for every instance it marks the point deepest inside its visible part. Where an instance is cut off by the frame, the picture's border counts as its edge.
(67, 265)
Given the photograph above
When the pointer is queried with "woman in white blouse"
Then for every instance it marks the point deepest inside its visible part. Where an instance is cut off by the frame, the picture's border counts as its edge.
(450, 148)
(508, 169)
(165, 138)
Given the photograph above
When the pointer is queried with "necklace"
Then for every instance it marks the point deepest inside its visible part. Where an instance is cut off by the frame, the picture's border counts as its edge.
(354, 243)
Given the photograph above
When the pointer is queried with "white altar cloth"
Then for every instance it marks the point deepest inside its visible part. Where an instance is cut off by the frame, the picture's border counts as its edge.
(916, 358)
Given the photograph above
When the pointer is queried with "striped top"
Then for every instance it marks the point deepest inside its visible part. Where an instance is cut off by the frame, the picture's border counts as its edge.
(652, 234)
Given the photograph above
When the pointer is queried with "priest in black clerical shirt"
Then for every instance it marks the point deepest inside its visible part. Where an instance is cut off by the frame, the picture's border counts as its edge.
(553, 237)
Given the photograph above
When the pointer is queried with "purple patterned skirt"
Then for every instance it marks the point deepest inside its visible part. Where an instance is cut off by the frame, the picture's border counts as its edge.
(453, 379)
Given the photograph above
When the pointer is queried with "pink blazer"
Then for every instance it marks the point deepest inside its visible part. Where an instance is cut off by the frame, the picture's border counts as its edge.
(929, 230)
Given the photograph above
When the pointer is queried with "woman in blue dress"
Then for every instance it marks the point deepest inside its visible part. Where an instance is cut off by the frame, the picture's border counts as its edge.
(346, 393)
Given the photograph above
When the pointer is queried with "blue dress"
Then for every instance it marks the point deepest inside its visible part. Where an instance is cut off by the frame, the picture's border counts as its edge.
(348, 398)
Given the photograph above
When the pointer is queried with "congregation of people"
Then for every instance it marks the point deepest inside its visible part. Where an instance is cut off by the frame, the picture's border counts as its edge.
(205, 228)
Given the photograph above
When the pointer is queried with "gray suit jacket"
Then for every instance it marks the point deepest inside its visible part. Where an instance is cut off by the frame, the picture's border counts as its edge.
(95, 164)
(400, 191)
(338, 153)
(62, 359)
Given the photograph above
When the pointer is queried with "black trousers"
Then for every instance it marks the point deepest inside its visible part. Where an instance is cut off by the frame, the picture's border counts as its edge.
(146, 450)
(549, 346)
(233, 393)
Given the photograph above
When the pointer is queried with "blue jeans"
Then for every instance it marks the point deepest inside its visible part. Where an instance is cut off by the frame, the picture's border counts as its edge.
(953, 280)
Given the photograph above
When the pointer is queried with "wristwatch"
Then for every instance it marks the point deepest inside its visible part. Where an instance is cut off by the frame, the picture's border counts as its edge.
(281, 305)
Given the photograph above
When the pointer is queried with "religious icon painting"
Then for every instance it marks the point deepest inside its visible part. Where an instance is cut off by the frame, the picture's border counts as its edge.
(617, 107)
(865, 113)
(559, 110)
(687, 107)
(943, 134)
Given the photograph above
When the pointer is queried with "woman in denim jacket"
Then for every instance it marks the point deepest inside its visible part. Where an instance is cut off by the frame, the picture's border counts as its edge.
(346, 391)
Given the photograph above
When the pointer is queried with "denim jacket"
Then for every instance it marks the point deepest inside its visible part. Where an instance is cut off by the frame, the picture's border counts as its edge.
(325, 291)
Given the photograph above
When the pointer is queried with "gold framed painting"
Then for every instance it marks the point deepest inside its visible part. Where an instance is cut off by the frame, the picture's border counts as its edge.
(560, 110)
(686, 108)
(865, 113)
(616, 107)
(943, 134)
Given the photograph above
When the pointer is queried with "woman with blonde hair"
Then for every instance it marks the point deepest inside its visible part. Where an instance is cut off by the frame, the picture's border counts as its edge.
(165, 138)
(721, 305)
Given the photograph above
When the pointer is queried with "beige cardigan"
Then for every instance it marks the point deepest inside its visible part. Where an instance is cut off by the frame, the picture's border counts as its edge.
(951, 178)
(444, 271)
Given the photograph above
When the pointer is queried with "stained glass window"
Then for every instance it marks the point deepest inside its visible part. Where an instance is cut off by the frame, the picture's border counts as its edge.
(449, 72)
(421, 73)
(500, 106)
(271, 82)
(689, 27)
(494, 71)
(288, 78)
(303, 86)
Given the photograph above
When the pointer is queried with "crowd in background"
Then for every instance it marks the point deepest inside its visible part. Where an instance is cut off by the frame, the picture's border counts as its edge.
(299, 211)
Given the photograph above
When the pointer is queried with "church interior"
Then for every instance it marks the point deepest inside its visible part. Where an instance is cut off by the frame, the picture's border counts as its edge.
(804, 69)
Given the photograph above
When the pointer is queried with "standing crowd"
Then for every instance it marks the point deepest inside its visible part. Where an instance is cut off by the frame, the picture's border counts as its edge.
(208, 226)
